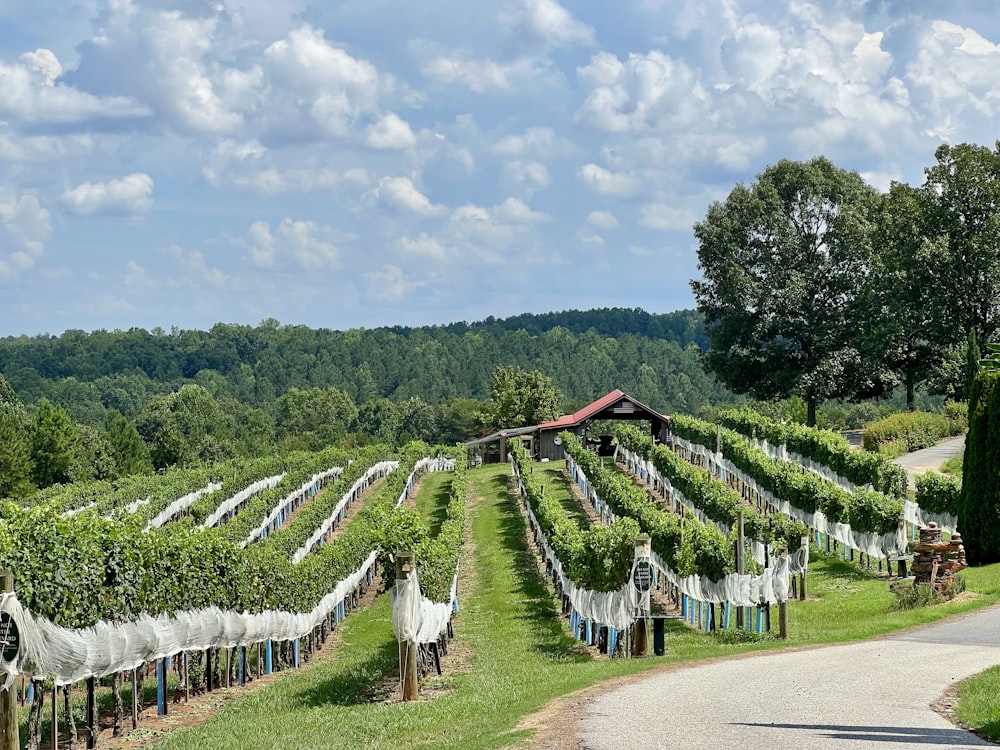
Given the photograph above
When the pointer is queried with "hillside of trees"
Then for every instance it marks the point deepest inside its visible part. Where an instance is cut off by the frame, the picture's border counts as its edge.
(654, 357)
(105, 404)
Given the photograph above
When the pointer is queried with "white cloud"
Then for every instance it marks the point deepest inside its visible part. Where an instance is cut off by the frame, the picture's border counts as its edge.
(304, 242)
(400, 193)
(24, 228)
(195, 269)
(606, 182)
(548, 22)
(602, 219)
(33, 94)
(131, 194)
(483, 75)
(389, 284)
(666, 216)
(532, 174)
(136, 276)
(423, 245)
(537, 142)
(644, 91)
(323, 81)
(391, 132)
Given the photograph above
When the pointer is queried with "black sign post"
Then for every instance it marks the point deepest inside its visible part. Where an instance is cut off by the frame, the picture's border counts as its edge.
(642, 576)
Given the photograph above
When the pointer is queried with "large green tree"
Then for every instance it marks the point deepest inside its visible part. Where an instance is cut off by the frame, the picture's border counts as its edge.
(786, 262)
(522, 398)
(906, 321)
(963, 190)
(130, 453)
(54, 445)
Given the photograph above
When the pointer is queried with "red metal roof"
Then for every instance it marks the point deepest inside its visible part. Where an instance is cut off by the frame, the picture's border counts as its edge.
(569, 420)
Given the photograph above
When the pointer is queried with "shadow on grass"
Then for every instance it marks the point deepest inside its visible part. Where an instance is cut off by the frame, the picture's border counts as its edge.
(440, 513)
(351, 687)
(531, 588)
(558, 479)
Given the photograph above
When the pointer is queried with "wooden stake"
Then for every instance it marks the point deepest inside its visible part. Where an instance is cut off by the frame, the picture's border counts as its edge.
(407, 651)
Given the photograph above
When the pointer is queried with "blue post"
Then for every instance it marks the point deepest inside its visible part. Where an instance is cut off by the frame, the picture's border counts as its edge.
(267, 657)
(748, 619)
(295, 652)
(31, 694)
(760, 620)
(590, 633)
(725, 620)
(169, 662)
(684, 610)
(239, 666)
(612, 641)
(161, 687)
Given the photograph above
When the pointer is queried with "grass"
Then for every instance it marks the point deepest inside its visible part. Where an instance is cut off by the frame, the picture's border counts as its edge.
(953, 466)
(558, 484)
(521, 655)
(432, 499)
(979, 703)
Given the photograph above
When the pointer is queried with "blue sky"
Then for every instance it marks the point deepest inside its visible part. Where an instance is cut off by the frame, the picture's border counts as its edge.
(377, 162)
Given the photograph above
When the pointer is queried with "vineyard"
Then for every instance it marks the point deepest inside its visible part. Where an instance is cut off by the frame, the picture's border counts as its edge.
(208, 580)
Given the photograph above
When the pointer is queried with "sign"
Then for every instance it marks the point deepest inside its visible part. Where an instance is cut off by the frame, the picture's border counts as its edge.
(10, 638)
(642, 576)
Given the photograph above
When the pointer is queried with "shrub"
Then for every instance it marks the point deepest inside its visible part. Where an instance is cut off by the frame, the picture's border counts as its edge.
(938, 493)
(917, 429)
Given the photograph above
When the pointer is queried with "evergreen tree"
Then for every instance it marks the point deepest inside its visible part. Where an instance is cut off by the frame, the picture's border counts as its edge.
(972, 357)
(979, 503)
(15, 456)
(130, 453)
(54, 441)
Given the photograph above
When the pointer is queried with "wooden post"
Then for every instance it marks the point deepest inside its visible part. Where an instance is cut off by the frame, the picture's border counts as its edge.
(640, 641)
(802, 576)
(135, 698)
(92, 727)
(407, 651)
(783, 613)
(55, 718)
(9, 738)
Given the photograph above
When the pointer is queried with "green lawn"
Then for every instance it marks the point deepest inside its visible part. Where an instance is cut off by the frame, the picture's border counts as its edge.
(979, 703)
(521, 656)
(432, 499)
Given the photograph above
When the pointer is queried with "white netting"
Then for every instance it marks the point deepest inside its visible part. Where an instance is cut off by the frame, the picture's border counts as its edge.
(377, 471)
(872, 543)
(415, 618)
(70, 655)
(133, 507)
(311, 486)
(230, 504)
(180, 504)
(607, 514)
(918, 516)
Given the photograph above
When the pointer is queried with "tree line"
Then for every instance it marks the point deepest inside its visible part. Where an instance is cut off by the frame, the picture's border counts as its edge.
(816, 285)
(108, 404)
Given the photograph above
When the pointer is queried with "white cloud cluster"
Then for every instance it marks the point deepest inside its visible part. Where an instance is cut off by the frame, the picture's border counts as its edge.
(400, 194)
(24, 228)
(308, 244)
(132, 194)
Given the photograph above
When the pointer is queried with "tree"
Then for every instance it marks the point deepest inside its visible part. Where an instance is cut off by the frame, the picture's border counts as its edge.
(907, 322)
(315, 417)
(54, 441)
(15, 457)
(95, 457)
(979, 502)
(130, 453)
(522, 398)
(964, 192)
(785, 264)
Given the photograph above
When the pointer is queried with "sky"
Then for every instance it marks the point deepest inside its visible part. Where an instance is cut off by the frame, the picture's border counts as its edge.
(178, 163)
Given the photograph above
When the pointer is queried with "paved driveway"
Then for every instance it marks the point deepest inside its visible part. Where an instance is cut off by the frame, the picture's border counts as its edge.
(874, 695)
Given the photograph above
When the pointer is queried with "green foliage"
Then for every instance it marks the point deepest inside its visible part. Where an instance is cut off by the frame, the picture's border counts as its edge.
(15, 457)
(522, 398)
(914, 430)
(979, 503)
(437, 556)
(598, 558)
(54, 441)
(864, 510)
(822, 446)
(313, 418)
(785, 264)
(938, 493)
(913, 596)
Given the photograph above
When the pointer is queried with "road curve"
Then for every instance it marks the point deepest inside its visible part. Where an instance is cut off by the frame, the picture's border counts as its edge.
(930, 459)
(873, 695)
